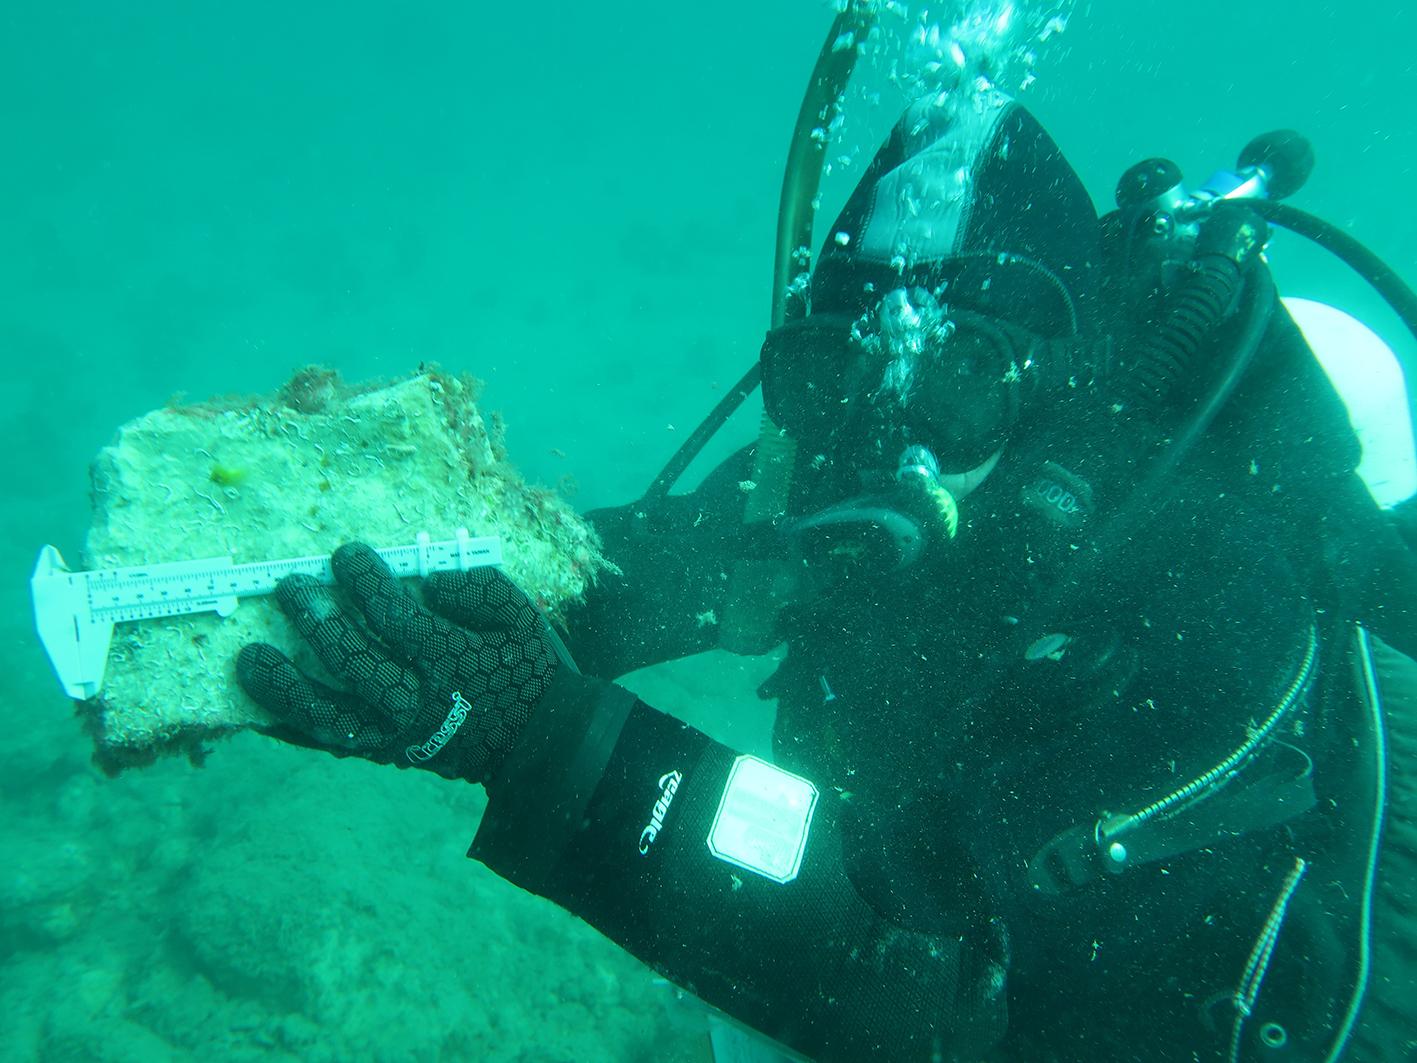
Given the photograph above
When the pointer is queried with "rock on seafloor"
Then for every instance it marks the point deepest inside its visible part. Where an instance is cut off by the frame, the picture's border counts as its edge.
(296, 474)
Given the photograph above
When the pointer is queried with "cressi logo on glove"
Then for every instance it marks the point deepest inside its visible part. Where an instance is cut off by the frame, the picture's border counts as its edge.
(457, 715)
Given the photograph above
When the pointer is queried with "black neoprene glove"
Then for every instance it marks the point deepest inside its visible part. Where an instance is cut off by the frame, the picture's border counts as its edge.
(447, 687)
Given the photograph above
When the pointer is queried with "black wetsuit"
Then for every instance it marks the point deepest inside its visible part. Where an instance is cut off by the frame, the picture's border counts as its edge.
(950, 748)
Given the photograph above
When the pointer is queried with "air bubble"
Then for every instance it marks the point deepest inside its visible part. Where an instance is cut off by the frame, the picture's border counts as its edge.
(940, 58)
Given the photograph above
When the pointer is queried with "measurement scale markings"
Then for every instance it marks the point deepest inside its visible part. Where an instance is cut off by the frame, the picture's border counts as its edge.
(75, 611)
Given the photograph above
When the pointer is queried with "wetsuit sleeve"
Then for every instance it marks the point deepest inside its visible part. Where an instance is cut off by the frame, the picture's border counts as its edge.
(673, 560)
(728, 877)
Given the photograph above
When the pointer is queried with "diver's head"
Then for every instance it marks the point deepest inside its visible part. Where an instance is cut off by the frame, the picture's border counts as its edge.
(967, 246)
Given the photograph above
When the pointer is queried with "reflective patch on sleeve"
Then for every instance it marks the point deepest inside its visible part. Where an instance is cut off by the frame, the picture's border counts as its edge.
(763, 819)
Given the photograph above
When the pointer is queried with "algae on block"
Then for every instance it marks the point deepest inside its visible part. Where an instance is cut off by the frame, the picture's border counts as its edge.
(291, 475)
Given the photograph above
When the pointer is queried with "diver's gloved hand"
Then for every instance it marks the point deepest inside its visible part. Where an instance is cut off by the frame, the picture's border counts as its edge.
(446, 688)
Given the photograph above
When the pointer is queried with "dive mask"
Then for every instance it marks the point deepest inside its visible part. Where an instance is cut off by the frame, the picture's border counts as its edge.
(910, 370)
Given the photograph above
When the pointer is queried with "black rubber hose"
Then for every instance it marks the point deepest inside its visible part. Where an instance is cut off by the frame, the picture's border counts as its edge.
(1367, 265)
(1231, 238)
(1148, 498)
(699, 437)
(1169, 351)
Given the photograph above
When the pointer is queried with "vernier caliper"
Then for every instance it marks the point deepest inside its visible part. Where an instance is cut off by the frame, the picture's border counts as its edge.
(75, 611)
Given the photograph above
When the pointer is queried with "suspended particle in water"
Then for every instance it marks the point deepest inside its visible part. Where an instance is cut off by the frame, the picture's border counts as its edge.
(1056, 24)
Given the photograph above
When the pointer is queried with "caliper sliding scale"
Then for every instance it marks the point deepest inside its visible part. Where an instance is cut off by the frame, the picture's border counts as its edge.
(75, 611)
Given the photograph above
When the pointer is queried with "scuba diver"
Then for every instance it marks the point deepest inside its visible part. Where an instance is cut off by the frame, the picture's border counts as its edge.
(1077, 754)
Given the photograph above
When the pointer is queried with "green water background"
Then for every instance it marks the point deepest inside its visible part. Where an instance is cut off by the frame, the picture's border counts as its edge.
(575, 204)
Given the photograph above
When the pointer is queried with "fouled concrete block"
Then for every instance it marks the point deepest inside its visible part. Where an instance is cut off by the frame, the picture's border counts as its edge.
(292, 475)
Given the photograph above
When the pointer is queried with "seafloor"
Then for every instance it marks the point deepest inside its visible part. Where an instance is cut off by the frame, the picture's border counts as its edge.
(275, 904)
